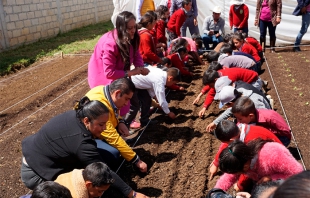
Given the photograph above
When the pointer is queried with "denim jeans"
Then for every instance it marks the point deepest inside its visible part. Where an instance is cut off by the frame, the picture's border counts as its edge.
(211, 40)
(304, 27)
(263, 29)
(109, 154)
(244, 30)
(189, 23)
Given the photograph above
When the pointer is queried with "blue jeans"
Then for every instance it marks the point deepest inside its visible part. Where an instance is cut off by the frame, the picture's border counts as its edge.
(285, 141)
(263, 25)
(109, 154)
(304, 27)
(206, 39)
(245, 30)
(189, 23)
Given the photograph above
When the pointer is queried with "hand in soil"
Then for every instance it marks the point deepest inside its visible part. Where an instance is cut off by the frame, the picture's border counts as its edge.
(211, 127)
(202, 112)
(243, 195)
(142, 166)
(171, 115)
(123, 130)
(140, 195)
(213, 171)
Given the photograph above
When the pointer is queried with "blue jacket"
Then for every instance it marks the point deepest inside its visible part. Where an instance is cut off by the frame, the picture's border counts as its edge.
(300, 5)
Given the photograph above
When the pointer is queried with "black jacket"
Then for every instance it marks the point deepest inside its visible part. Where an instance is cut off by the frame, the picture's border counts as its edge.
(300, 5)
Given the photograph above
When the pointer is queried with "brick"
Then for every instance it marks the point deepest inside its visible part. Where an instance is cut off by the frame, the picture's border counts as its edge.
(29, 37)
(28, 1)
(13, 42)
(25, 31)
(22, 16)
(39, 28)
(35, 21)
(17, 9)
(38, 14)
(25, 8)
(14, 17)
(10, 34)
(10, 26)
(27, 23)
(40, 6)
(35, 1)
(44, 13)
(32, 29)
(48, 19)
(8, 10)
(20, 2)
(30, 15)
(21, 39)
(16, 33)
(37, 36)
(41, 20)
(19, 24)
(33, 7)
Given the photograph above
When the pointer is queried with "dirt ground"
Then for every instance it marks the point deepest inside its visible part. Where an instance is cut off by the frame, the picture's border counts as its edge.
(177, 152)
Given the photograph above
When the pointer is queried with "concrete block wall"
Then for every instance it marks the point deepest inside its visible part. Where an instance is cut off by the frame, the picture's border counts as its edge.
(27, 21)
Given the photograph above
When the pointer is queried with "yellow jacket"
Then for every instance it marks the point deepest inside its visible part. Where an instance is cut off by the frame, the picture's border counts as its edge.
(146, 6)
(110, 135)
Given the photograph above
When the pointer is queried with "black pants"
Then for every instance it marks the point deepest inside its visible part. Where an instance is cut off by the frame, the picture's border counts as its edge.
(141, 99)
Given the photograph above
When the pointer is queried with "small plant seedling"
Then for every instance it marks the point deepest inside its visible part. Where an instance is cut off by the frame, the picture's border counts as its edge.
(301, 94)
(307, 61)
(279, 56)
(307, 103)
(295, 88)
(290, 75)
(288, 69)
(282, 60)
(293, 80)
(303, 57)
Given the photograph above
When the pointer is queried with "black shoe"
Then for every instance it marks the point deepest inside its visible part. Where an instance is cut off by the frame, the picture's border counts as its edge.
(261, 71)
(297, 49)
(149, 122)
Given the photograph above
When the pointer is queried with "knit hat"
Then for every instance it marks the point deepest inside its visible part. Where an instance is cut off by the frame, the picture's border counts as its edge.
(226, 95)
(237, 2)
(219, 84)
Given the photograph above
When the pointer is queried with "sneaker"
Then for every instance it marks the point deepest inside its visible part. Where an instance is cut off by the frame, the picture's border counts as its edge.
(135, 125)
(149, 122)
(297, 49)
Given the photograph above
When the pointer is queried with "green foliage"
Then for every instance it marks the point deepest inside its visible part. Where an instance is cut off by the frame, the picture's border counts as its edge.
(78, 40)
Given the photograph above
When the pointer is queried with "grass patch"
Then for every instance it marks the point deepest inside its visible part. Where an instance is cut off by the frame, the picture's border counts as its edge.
(78, 40)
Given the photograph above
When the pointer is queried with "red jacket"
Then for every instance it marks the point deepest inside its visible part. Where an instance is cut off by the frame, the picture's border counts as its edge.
(234, 74)
(239, 18)
(254, 43)
(177, 62)
(249, 49)
(176, 21)
(147, 47)
(160, 31)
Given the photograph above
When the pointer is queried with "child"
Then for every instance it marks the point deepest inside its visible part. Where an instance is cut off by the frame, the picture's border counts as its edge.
(238, 16)
(260, 160)
(243, 46)
(229, 94)
(148, 87)
(227, 131)
(234, 74)
(228, 60)
(147, 46)
(177, 19)
(163, 14)
(177, 61)
(256, 45)
(245, 112)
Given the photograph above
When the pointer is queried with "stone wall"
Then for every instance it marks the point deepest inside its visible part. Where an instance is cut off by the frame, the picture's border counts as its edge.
(27, 21)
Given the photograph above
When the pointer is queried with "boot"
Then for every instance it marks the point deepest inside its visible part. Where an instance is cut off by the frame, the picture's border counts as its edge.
(262, 41)
(272, 44)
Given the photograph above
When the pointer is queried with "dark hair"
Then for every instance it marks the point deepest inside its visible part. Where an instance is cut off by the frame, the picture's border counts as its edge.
(196, 36)
(161, 10)
(98, 173)
(152, 13)
(225, 130)
(244, 105)
(90, 109)
(122, 40)
(185, 2)
(179, 43)
(259, 189)
(175, 73)
(182, 49)
(125, 85)
(166, 60)
(226, 48)
(145, 20)
(209, 76)
(227, 38)
(212, 56)
(50, 189)
(238, 36)
(234, 157)
(214, 65)
(199, 43)
(295, 186)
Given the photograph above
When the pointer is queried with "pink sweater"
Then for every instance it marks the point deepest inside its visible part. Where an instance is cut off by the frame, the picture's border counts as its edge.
(273, 160)
(106, 64)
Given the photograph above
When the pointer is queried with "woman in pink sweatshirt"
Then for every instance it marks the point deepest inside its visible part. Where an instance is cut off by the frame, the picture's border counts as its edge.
(115, 52)
(259, 160)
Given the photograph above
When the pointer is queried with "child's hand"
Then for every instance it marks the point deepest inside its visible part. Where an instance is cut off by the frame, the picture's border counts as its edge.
(213, 170)
(211, 127)
(171, 115)
(196, 100)
(202, 112)
(181, 88)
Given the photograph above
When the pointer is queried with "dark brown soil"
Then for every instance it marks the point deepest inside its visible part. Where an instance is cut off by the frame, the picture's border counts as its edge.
(177, 152)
